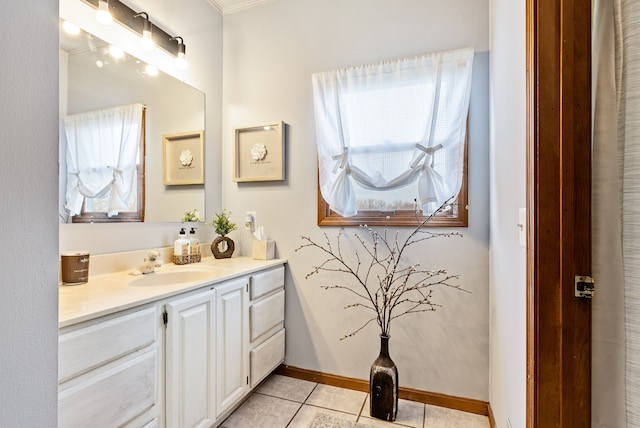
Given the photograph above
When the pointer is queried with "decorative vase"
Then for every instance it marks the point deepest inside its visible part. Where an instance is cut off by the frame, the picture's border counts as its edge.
(222, 247)
(383, 385)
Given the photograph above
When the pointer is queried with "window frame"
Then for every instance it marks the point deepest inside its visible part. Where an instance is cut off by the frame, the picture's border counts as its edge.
(124, 217)
(403, 218)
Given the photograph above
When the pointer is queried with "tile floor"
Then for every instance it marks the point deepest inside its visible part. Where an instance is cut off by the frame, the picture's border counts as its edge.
(285, 402)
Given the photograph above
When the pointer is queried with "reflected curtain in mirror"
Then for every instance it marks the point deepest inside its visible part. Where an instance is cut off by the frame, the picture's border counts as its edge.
(105, 155)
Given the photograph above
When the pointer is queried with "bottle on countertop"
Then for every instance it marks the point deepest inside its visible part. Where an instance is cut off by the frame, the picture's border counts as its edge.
(181, 246)
(194, 246)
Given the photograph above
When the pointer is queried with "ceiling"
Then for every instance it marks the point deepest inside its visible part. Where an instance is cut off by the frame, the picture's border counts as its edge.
(230, 6)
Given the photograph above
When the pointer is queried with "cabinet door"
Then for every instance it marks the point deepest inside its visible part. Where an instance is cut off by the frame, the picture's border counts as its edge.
(232, 343)
(190, 377)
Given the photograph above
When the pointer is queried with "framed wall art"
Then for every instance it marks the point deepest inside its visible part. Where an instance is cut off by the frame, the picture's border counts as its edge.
(259, 153)
(183, 158)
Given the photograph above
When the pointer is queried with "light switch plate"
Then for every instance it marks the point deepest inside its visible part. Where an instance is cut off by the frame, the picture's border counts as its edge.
(250, 226)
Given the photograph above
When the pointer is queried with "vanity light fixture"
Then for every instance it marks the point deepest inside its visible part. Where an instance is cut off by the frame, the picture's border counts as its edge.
(152, 35)
(181, 60)
(103, 15)
(147, 39)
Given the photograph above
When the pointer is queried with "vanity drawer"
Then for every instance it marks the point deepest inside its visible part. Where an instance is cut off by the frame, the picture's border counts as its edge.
(153, 424)
(266, 314)
(266, 357)
(96, 344)
(265, 282)
(112, 396)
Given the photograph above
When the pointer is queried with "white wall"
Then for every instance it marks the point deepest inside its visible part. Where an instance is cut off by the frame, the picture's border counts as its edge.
(29, 233)
(270, 52)
(508, 186)
(200, 25)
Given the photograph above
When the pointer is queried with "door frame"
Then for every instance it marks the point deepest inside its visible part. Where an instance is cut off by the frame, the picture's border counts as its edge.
(559, 212)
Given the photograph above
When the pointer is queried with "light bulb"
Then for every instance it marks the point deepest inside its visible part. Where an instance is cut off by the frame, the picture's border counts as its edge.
(116, 52)
(102, 14)
(151, 70)
(70, 28)
(146, 41)
(181, 61)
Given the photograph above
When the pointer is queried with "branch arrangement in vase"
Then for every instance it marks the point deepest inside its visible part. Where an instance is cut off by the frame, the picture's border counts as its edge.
(380, 280)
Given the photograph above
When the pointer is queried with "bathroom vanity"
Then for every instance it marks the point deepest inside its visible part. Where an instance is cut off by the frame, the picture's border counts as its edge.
(178, 348)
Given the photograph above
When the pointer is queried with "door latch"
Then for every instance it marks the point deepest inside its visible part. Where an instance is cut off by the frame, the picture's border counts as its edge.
(584, 287)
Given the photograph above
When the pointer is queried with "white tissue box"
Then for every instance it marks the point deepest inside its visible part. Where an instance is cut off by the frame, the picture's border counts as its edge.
(264, 250)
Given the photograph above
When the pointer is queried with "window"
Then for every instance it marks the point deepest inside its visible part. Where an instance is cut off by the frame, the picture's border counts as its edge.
(392, 137)
(105, 165)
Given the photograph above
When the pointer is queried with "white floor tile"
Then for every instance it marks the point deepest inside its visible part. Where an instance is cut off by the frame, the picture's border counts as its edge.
(340, 399)
(287, 387)
(262, 411)
(439, 417)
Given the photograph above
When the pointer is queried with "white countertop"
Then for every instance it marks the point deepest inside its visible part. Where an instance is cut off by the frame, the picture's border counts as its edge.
(110, 293)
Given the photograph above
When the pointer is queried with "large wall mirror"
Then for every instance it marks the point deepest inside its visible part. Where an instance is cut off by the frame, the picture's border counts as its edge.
(94, 77)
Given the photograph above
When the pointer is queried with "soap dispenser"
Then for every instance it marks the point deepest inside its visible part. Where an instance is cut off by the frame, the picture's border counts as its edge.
(194, 247)
(181, 248)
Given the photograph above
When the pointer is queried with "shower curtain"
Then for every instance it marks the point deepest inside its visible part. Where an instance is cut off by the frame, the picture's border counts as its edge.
(616, 214)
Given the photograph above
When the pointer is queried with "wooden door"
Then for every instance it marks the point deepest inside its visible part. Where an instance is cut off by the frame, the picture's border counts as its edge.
(558, 192)
(190, 356)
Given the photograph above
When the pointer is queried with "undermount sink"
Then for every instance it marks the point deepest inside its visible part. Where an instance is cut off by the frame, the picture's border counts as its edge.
(171, 278)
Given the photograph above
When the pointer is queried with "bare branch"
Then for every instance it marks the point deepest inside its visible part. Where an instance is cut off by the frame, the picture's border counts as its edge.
(342, 287)
(353, 333)
(392, 289)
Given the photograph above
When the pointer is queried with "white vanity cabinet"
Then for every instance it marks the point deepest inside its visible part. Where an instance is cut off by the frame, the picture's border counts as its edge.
(183, 360)
(190, 357)
(248, 334)
(108, 371)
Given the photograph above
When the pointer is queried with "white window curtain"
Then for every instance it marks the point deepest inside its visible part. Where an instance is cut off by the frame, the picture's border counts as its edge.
(102, 154)
(387, 125)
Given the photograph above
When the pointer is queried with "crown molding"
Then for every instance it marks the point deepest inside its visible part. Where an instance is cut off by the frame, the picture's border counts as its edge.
(220, 6)
(216, 5)
(244, 5)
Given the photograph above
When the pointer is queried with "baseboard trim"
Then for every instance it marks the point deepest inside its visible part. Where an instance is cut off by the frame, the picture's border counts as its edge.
(492, 420)
(442, 400)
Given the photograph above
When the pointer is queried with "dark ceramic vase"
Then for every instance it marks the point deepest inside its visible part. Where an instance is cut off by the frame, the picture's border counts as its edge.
(222, 247)
(383, 384)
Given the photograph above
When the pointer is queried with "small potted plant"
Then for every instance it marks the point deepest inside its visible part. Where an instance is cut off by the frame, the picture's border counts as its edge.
(222, 247)
(192, 216)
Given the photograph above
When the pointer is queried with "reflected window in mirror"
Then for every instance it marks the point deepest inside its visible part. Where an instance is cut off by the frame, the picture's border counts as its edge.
(105, 164)
(91, 78)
